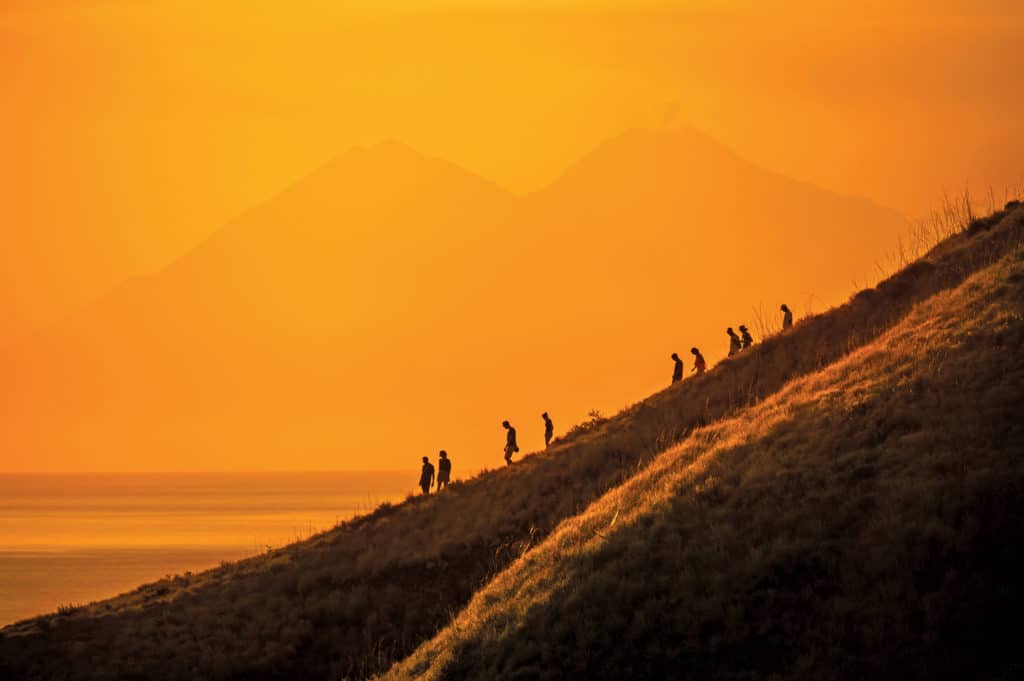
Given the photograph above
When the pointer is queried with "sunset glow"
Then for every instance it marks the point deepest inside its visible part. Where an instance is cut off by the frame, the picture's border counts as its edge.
(134, 132)
(420, 340)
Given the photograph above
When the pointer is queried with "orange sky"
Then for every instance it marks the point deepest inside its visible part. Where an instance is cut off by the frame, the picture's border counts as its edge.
(132, 131)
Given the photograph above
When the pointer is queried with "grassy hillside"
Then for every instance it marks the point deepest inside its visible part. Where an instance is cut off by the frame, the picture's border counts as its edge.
(866, 520)
(351, 602)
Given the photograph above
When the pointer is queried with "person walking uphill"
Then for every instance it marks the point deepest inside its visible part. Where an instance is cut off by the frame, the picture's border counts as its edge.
(511, 446)
(677, 371)
(426, 476)
(748, 340)
(734, 342)
(787, 317)
(549, 429)
(699, 365)
(444, 470)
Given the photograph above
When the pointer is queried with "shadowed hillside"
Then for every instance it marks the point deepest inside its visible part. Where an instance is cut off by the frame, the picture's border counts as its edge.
(351, 602)
(348, 306)
(865, 521)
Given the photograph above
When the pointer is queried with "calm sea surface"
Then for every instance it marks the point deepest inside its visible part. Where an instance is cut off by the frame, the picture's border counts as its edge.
(78, 538)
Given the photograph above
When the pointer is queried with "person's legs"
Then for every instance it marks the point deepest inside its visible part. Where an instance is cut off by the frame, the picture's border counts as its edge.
(426, 488)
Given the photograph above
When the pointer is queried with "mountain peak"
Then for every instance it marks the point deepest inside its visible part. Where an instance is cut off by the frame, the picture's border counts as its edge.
(391, 163)
(652, 155)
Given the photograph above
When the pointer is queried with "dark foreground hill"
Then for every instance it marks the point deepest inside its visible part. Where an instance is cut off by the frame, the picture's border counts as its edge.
(801, 516)
(867, 521)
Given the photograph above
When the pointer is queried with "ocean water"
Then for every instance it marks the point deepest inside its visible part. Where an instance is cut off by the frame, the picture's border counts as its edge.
(72, 539)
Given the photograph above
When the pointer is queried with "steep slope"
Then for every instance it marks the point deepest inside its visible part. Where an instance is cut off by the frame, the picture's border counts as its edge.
(865, 520)
(349, 303)
(352, 601)
(682, 201)
(671, 235)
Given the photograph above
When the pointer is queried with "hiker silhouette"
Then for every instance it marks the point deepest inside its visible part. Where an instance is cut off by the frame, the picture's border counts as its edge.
(734, 342)
(444, 470)
(787, 317)
(426, 476)
(677, 370)
(699, 365)
(511, 446)
(748, 340)
(549, 429)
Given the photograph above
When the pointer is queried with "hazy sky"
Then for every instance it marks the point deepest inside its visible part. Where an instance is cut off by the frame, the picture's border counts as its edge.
(132, 130)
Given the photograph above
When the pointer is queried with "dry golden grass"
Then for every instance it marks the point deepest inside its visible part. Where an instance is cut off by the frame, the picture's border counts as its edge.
(835, 530)
(352, 601)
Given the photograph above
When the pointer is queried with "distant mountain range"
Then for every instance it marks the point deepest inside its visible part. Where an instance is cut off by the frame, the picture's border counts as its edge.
(390, 304)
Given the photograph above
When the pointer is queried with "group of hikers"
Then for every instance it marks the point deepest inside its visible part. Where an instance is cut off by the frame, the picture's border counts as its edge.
(737, 343)
(444, 473)
(444, 464)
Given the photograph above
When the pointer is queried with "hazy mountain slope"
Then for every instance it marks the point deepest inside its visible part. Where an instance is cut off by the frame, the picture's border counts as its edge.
(682, 202)
(672, 237)
(343, 308)
(867, 520)
(256, 341)
(353, 600)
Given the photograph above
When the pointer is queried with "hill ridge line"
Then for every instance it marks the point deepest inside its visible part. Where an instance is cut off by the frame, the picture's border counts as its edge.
(502, 616)
(411, 550)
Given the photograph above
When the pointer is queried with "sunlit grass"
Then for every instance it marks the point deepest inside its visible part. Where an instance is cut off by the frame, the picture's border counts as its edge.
(829, 521)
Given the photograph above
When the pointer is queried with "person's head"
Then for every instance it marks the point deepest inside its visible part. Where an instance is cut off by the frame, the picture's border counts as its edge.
(743, 328)
(730, 331)
(425, 460)
(784, 308)
(675, 356)
(444, 454)
(695, 351)
(506, 424)
(544, 416)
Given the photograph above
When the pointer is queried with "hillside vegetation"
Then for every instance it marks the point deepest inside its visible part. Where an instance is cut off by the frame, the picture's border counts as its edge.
(867, 520)
(353, 601)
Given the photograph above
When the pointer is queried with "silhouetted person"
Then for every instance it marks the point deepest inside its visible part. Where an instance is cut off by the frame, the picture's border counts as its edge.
(426, 476)
(677, 371)
(511, 446)
(549, 429)
(734, 342)
(748, 340)
(699, 365)
(444, 470)
(787, 317)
